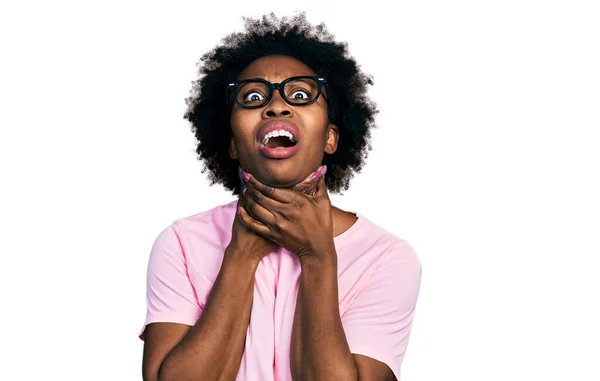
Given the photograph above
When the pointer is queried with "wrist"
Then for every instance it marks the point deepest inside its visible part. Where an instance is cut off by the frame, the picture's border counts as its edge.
(324, 260)
(240, 258)
(319, 275)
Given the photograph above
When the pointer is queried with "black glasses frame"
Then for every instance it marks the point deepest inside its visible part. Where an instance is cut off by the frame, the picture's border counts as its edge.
(231, 87)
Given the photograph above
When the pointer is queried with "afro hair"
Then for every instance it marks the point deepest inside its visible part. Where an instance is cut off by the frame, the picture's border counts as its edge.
(349, 108)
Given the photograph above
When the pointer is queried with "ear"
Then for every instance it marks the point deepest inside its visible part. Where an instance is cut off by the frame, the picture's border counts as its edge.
(233, 149)
(332, 134)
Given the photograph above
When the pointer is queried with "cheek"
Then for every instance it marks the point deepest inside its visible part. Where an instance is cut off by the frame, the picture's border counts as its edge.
(238, 122)
(317, 120)
(235, 120)
(320, 113)
(242, 127)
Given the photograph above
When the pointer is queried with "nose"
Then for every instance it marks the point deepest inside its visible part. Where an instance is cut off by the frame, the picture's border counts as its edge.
(277, 107)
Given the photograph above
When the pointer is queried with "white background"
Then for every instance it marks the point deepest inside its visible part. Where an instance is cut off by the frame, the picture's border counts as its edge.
(485, 160)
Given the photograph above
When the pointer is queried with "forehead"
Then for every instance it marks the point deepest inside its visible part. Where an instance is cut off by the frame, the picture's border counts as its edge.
(276, 68)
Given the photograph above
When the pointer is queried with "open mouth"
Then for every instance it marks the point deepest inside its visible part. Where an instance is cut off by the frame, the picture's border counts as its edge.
(279, 139)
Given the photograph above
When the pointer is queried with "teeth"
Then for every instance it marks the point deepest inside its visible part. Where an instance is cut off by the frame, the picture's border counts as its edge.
(277, 133)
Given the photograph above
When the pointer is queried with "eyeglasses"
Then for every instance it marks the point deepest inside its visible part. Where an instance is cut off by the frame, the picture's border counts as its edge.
(257, 92)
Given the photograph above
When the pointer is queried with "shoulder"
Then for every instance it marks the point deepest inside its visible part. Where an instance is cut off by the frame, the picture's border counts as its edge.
(372, 258)
(206, 226)
(196, 243)
(197, 234)
(369, 240)
(218, 217)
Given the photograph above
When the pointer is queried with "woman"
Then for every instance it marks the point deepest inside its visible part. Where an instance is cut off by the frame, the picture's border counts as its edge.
(280, 284)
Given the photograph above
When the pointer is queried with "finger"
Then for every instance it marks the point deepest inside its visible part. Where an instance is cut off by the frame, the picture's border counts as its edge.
(318, 181)
(279, 194)
(310, 179)
(271, 205)
(253, 224)
(260, 207)
(321, 191)
(309, 183)
(242, 175)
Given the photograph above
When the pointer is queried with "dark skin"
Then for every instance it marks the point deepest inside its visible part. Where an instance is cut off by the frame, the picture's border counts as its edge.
(271, 216)
(317, 135)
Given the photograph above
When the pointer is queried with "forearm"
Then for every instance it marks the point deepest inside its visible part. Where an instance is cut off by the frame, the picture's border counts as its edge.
(213, 347)
(319, 350)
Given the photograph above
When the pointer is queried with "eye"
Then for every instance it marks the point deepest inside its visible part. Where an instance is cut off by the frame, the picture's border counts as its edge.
(253, 96)
(300, 94)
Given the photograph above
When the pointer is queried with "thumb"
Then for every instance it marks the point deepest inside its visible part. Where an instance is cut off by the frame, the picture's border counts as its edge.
(321, 189)
(308, 185)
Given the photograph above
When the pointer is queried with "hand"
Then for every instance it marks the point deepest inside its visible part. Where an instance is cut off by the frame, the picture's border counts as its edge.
(307, 186)
(246, 242)
(298, 222)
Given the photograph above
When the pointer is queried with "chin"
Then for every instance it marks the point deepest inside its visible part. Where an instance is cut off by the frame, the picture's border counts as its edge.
(280, 176)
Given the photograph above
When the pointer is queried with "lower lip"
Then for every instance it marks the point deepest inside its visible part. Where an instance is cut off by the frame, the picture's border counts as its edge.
(278, 153)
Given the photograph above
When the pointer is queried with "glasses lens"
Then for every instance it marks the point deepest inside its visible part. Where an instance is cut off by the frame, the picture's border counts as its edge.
(301, 90)
(251, 94)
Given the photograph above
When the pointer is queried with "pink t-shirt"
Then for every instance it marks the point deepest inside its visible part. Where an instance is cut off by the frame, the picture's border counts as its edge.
(379, 276)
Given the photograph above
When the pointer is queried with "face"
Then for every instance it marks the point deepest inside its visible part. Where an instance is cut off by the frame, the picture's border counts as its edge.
(274, 160)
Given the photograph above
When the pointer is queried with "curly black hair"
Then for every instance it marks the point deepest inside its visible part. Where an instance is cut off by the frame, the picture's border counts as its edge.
(349, 108)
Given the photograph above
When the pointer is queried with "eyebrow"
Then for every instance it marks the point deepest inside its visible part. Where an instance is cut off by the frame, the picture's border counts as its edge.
(245, 84)
(277, 75)
(311, 83)
(285, 79)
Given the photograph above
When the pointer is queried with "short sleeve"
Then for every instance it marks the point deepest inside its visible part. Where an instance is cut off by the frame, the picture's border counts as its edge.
(170, 296)
(378, 322)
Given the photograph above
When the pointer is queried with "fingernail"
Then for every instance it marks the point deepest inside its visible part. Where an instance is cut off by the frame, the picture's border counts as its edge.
(316, 176)
(324, 170)
(314, 192)
(243, 175)
(239, 210)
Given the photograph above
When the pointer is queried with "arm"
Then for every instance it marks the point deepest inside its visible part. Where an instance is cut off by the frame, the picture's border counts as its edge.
(319, 349)
(211, 349)
(208, 343)
(303, 224)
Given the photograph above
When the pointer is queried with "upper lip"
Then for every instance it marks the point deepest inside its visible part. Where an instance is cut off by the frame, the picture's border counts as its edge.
(274, 125)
